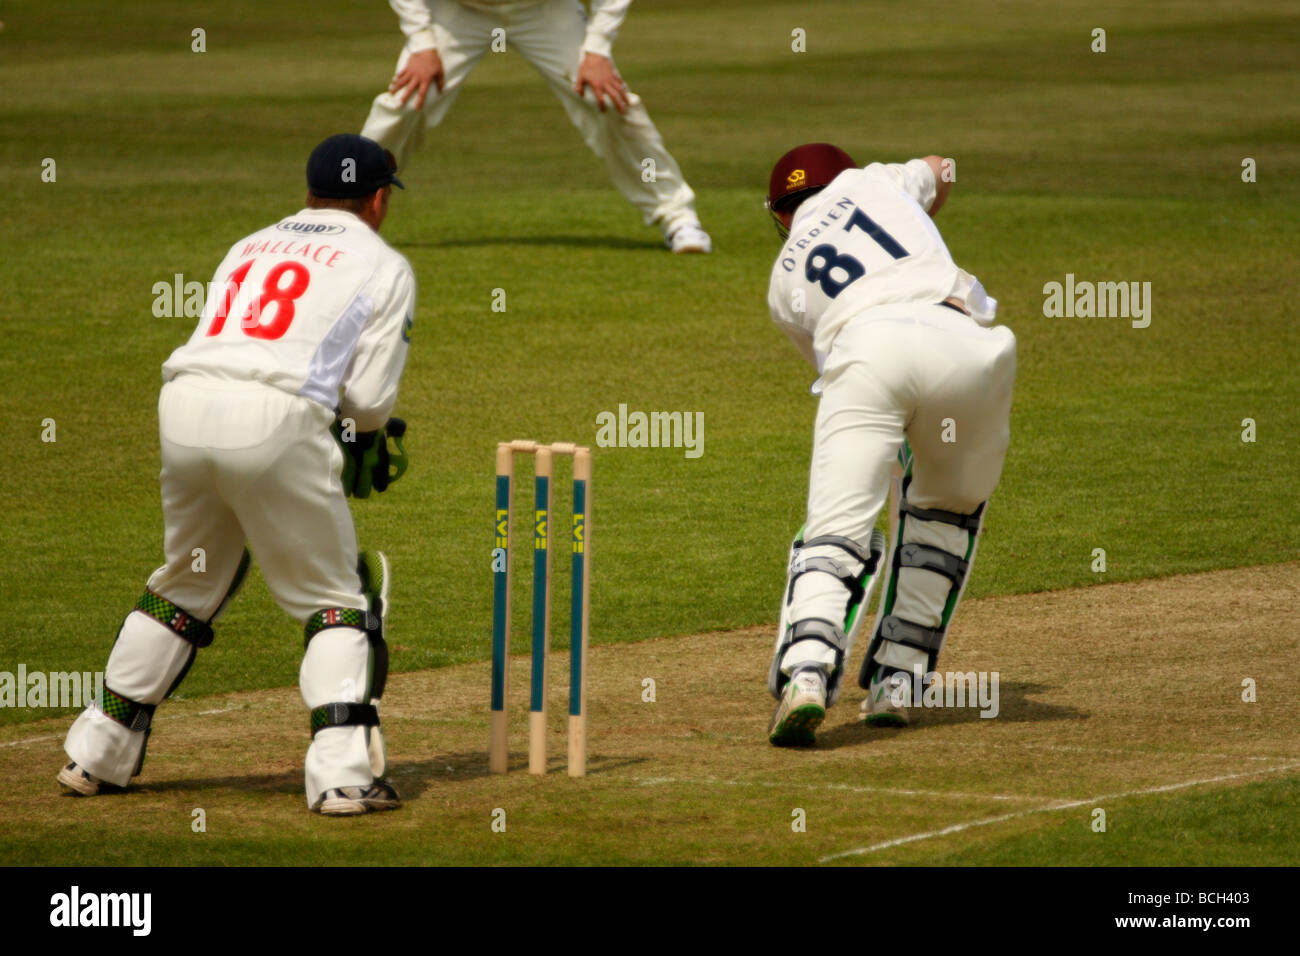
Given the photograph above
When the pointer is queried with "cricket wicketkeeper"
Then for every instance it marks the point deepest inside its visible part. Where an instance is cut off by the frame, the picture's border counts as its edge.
(309, 320)
(908, 357)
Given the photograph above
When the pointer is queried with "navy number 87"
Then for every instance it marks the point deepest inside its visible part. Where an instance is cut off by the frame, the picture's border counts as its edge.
(825, 257)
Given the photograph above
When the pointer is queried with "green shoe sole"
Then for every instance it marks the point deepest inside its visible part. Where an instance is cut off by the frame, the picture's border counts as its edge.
(799, 729)
(884, 720)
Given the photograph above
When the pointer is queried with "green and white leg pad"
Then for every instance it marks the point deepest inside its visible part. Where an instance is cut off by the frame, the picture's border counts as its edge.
(928, 571)
(342, 680)
(153, 651)
(829, 581)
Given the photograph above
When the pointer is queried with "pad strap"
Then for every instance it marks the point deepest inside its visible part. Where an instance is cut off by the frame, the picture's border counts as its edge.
(820, 562)
(866, 556)
(970, 523)
(343, 715)
(799, 565)
(365, 621)
(814, 628)
(131, 714)
(894, 628)
(183, 624)
(339, 617)
(926, 558)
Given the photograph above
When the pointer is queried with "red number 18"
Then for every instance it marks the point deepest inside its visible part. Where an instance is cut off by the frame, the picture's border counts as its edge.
(283, 298)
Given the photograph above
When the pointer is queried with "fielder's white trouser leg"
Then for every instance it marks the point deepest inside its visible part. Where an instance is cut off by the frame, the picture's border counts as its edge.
(550, 37)
(463, 36)
(243, 460)
(887, 379)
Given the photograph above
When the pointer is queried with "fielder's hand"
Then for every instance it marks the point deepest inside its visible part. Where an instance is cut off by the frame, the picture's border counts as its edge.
(598, 72)
(421, 69)
(367, 462)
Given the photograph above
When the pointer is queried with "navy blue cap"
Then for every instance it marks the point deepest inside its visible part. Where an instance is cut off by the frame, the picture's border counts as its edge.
(348, 166)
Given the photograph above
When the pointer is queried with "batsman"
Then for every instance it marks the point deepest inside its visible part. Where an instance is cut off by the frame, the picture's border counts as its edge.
(274, 411)
(915, 385)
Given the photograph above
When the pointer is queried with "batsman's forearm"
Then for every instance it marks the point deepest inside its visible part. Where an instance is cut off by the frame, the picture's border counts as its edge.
(942, 184)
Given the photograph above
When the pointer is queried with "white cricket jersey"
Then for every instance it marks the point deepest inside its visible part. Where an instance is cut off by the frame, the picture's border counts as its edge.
(416, 17)
(316, 305)
(865, 243)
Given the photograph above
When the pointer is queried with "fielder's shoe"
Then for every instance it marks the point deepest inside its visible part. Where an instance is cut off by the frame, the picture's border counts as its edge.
(887, 701)
(689, 238)
(349, 801)
(801, 710)
(372, 568)
(79, 781)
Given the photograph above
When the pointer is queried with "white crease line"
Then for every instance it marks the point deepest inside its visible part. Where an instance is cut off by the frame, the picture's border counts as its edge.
(1065, 748)
(167, 719)
(31, 740)
(659, 781)
(1106, 798)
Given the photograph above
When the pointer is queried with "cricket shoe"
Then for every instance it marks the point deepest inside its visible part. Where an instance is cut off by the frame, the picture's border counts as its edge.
(350, 801)
(888, 699)
(689, 238)
(80, 782)
(801, 710)
(372, 568)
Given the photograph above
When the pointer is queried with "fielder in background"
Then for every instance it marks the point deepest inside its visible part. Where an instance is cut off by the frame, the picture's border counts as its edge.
(313, 312)
(445, 38)
(904, 344)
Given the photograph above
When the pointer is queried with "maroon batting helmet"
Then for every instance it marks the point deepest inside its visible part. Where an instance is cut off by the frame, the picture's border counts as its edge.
(801, 172)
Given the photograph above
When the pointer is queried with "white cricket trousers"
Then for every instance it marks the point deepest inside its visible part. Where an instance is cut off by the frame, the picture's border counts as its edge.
(249, 462)
(928, 373)
(244, 462)
(550, 36)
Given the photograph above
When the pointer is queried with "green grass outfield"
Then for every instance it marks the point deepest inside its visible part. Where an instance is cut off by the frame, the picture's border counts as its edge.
(1121, 166)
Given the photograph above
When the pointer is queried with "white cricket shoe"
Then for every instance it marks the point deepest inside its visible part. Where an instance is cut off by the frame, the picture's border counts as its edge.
(887, 701)
(689, 238)
(79, 781)
(801, 710)
(350, 801)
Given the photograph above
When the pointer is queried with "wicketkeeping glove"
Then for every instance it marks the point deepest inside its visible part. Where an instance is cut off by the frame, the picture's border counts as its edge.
(367, 461)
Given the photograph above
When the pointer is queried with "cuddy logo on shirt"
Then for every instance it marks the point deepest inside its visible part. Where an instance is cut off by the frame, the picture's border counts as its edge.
(309, 228)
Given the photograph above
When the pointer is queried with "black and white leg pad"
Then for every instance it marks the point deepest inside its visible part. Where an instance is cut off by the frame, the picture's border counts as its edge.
(342, 679)
(928, 571)
(820, 616)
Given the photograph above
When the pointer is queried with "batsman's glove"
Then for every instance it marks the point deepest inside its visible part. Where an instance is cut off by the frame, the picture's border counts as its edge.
(367, 461)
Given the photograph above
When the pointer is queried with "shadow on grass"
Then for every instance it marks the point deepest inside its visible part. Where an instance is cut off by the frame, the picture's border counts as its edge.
(411, 778)
(1015, 706)
(414, 778)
